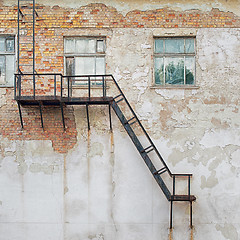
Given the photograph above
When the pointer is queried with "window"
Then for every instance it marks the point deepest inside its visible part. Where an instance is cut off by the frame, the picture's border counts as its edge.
(174, 60)
(84, 56)
(7, 61)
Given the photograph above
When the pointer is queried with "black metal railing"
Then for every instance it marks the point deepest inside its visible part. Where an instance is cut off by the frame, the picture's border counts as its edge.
(26, 84)
(63, 87)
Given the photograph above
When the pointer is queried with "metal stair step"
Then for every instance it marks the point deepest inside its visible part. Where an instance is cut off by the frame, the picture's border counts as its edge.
(160, 171)
(179, 198)
(149, 148)
(117, 96)
(128, 121)
(119, 100)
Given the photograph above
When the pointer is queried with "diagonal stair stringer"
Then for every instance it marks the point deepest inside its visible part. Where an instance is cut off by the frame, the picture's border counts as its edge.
(140, 148)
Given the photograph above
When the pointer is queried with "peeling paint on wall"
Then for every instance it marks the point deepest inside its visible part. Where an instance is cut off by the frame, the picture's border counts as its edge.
(82, 184)
(126, 6)
(228, 231)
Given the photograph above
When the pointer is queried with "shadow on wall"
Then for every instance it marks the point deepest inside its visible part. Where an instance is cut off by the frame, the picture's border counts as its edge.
(10, 126)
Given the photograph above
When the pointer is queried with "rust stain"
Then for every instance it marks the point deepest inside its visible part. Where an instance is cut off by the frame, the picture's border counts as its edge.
(88, 139)
(191, 233)
(88, 151)
(170, 234)
(88, 169)
(112, 141)
(65, 189)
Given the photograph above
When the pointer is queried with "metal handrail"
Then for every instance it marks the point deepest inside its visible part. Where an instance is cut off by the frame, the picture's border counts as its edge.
(88, 81)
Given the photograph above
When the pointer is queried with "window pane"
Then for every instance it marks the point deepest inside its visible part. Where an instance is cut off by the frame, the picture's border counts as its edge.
(2, 45)
(159, 46)
(85, 65)
(100, 46)
(100, 66)
(189, 44)
(69, 46)
(174, 45)
(70, 66)
(159, 74)
(10, 63)
(2, 70)
(190, 70)
(85, 46)
(174, 70)
(10, 45)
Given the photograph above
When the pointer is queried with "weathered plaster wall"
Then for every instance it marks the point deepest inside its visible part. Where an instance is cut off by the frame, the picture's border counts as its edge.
(82, 185)
(143, 5)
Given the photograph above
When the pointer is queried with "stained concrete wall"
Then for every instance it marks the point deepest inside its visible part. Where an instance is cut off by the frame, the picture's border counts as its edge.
(100, 189)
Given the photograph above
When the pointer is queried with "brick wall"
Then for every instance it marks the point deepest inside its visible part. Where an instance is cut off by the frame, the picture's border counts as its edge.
(62, 140)
(99, 15)
(49, 56)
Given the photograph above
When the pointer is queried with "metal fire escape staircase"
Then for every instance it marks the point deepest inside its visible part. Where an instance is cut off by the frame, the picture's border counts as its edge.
(145, 151)
(124, 112)
(108, 94)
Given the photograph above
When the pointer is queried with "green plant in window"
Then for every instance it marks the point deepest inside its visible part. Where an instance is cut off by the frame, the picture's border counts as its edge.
(175, 73)
(189, 77)
(159, 75)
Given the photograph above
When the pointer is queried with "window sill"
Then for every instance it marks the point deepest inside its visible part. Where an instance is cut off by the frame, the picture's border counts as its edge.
(6, 86)
(173, 87)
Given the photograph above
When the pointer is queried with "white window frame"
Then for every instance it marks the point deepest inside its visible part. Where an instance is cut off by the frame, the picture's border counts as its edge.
(6, 53)
(75, 54)
(165, 55)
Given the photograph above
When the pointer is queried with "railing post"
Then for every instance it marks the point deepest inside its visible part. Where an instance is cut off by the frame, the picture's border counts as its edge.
(68, 79)
(173, 185)
(103, 86)
(189, 182)
(110, 117)
(15, 86)
(171, 214)
(89, 88)
(19, 85)
(55, 87)
(61, 86)
(34, 86)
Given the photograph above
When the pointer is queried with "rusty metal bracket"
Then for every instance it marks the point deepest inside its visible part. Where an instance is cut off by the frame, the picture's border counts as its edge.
(20, 114)
(88, 121)
(63, 121)
(40, 108)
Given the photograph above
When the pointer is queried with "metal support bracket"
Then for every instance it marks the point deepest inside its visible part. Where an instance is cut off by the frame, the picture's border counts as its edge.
(20, 114)
(21, 13)
(40, 108)
(36, 13)
(63, 121)
(110, 116)
(88, 121)
(171, 214)
(191, 225)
